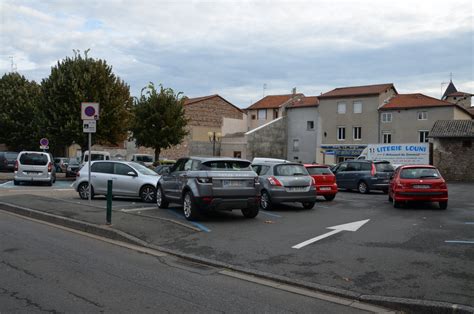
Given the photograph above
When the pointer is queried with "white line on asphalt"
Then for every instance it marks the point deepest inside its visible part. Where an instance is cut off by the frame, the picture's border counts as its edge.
(8, 182)
(137, 209)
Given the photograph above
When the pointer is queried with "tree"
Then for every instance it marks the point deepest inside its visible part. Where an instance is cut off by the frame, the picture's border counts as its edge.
(83, 79)
(19, 118)
(158, 119)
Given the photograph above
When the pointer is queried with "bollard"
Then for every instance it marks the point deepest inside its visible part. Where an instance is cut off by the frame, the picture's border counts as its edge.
(109, 202)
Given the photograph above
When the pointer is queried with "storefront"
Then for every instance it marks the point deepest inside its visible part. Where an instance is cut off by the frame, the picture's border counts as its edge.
(337, 153)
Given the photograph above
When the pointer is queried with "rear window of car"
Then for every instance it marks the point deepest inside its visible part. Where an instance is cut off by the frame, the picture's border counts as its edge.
(11, 155)
(318, 170)
(34, 159)
(226, 165)
(290, 170)
(384, 167)
(144, 158)
(419, 173)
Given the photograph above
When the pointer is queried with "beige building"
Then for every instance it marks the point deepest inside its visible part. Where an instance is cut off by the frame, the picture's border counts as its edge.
(408, 118)
(349, 120)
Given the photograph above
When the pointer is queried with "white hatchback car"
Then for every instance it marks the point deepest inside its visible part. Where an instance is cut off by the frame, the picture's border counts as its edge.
(128, 179)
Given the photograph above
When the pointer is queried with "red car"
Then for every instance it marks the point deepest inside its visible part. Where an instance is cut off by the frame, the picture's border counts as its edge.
(418, 183)
(325, 180)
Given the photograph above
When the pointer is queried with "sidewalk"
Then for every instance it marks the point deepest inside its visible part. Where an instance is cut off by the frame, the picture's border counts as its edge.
(156, 233)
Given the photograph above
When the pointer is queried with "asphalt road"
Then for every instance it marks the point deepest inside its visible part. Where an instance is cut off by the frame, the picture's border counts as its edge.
(44, 269)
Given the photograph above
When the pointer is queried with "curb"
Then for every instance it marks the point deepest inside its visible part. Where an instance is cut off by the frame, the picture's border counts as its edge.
(400, 304)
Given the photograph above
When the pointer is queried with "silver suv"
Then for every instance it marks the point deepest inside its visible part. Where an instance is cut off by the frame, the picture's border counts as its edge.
(285, 182)
(209, 184)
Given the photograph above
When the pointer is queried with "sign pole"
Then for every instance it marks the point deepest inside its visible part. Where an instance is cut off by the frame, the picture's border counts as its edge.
(89, 167)
(89, 116)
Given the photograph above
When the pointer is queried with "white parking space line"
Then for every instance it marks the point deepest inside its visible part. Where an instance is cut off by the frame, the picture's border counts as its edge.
(6, 183)
(137, 209)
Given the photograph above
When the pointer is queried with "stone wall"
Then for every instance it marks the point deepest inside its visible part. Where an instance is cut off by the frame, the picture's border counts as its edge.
(268, 141)
(454, 158)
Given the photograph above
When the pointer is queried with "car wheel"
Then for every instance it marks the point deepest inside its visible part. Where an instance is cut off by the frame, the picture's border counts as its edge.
(84, 191)
(189, 207)
(443, 205)
(161, 201)
(265, 201)
(396, 204)
(50, 183)
(363, 187)
(147, 194)
(390, 199)
(15, 182)
(308, 205)
(329, 197)
(250, 212)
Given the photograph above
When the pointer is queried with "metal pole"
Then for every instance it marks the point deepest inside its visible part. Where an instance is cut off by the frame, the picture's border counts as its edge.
(213, 144)
(89, 172)
(109, 202)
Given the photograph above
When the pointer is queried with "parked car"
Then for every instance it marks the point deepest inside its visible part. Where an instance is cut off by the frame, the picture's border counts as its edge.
(206, 184)
(144, 159)
(418, 183)
(72, 167)
(96, 155)
(363, 175)
(32, 166)
(325, 180)
(162, 169)
(129, 179)
(61, 164)
(282, 182)
(7, 161)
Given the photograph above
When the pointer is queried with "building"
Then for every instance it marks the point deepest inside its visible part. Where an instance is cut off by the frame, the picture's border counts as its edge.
(350, 120)
(209, 118)
(454, 96)
(303, 129)
(408, 118)
(453, 148)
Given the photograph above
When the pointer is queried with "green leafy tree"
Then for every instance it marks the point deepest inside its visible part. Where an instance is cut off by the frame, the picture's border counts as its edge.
(83, 79)
(19, 117)
(159, 121)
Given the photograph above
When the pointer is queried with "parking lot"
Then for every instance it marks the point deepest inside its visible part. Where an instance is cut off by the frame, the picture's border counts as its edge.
(418, 251)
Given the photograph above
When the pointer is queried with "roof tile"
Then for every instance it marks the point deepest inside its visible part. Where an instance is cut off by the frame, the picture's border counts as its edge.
(453, 128)
(357, 91)
(417, 100)
(272, 101)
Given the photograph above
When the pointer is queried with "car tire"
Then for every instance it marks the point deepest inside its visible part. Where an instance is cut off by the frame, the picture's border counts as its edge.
(15, 182)
(83, 193)
(395, 203)
(161, 201)
(189, 207)
(50, 183)
(250, 212)
(390, 199)
(362, 187)
(265, 201)
(329, 197)
(443, 205)
(148, 194)
(308, 205)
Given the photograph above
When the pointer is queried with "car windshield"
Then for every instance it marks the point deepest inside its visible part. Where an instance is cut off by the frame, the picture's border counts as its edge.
(318, 170)
(419, 173)
(226, 165)
(290, 170)
(36, 159)
(383, 167)
(144, 170)
(145, 158)
(72, 161)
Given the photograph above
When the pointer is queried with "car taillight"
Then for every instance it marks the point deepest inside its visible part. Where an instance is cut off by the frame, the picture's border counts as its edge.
(274, 181)
(50, 166)
(443, 185)
(373, 171)
(255, 180)
(16, 165)
(204, 180)
(78, 174)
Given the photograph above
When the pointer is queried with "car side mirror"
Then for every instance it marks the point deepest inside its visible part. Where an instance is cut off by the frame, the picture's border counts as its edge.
(131, 173)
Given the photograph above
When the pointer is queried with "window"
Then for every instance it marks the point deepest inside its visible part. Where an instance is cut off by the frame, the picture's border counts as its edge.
(103, 167)
(296, 145)
(341, 133)
(254, 117)
(353, 166)
(422, 115)
(386, 137)
(123, 170)
(310, 125)
(357, 132)
(386, 117)
(237, 154)
(357, 107)
(423, 136)
(275, 113)
(290, 170)
(262, 114)
(341, 107)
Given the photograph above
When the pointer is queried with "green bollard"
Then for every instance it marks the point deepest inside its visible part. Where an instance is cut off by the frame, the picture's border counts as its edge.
(109, 202)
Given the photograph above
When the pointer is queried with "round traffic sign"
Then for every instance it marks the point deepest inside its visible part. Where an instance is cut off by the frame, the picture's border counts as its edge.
(44, 141)
(89, 111)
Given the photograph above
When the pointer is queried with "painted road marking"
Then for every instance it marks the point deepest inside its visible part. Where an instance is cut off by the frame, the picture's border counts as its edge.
(7, 183)
(200, 226)
(352, 226)
(270, 214)
(469, 223)
(459, 241)
(137, 209)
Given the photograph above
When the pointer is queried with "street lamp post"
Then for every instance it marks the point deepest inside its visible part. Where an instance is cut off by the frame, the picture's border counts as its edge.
(214, 137)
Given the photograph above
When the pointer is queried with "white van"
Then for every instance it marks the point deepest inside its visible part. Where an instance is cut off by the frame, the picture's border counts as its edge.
(96, 155)
(144, 159)
(31, 166)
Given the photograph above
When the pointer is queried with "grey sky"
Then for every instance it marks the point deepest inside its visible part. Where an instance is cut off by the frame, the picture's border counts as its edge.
(232, 48)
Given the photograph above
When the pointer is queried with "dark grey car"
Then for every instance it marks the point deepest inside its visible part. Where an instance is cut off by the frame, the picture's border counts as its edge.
(209, 184)
(7, 161)
(285, 182)
(363, 175)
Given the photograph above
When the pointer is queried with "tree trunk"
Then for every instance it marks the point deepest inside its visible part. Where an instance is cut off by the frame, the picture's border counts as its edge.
(157, 153)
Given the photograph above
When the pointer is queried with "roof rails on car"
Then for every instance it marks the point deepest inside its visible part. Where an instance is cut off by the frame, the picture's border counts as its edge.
(269, 160)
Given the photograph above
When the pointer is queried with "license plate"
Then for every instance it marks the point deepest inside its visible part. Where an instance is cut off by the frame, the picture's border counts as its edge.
(296, 189)
(325, 188)
(233, 183)
(33, 173)
(421, 186)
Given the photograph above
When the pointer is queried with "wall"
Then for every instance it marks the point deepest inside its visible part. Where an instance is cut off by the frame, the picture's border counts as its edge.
(230, 125)
(268, 141)
(452, 159)
(297, 129)
(231, 143)
(464, 101)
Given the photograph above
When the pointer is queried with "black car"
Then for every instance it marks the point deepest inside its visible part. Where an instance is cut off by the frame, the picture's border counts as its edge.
(7, 160)
(363, 175)
(72, 167)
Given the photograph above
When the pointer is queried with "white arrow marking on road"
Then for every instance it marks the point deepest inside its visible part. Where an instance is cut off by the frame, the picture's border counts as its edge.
(352, 226)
